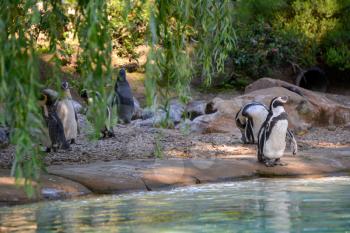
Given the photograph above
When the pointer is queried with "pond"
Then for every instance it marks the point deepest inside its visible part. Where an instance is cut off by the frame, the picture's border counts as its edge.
(261, 205)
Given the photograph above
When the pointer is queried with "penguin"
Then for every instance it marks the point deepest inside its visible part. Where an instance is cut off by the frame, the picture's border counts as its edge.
(107, 131)
(53, 122)
(67, 114)
(123, 98)
(249, 119)
(272, 134)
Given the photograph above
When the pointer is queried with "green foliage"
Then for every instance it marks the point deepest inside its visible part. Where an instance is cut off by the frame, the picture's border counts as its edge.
(339, 57)
(272, 33)
(213, 24)
(20, 23)
(19, 86)
(128, 22)
(96, 47)
(173, 26)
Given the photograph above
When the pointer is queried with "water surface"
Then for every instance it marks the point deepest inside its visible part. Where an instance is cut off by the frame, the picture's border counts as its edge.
(262, 205)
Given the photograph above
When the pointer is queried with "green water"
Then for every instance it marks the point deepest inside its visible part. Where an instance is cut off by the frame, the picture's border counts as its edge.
(262, 205)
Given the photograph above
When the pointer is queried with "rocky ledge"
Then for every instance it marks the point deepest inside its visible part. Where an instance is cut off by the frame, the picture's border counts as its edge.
(66, 181)
(131, 175)
(49, 187)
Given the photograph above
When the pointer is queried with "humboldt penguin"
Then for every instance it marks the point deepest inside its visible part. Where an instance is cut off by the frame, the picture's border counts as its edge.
(53, 122)
(273, 132)
(67, 114)
(123, 98)
(249, 120)
(107, 130)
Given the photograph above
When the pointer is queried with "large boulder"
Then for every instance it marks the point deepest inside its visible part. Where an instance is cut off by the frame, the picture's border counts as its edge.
(312, 107)
(151, 117)
(195, 108)
(305, 108)
(217, 122)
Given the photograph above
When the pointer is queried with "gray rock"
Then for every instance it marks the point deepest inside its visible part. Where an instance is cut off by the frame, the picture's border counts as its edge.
(77, 106)
(184, 125)
(137, 110)
(195, 108)
(176, 111)
(147, 113)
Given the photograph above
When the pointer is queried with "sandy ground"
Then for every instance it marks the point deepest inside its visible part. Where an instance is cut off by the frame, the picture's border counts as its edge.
(144, 143)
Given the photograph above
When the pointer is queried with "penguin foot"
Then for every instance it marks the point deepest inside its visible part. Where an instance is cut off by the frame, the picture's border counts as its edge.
(269, 163)
(280, 163)
(72, 141)
(111, 134)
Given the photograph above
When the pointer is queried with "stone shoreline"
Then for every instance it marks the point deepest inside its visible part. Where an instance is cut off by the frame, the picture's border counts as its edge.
(67, 181)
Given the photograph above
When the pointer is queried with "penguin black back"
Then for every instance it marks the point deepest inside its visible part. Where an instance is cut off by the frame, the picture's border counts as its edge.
(123, 98)
(54, 124)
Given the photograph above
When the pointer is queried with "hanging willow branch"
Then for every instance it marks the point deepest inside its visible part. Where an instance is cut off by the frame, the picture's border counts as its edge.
(172, 24)
(20, 87)
(96, 45)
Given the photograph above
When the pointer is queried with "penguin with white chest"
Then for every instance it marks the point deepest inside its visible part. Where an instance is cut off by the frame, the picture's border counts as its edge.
(273, 132)
(67, 114)
(249, 120)
(53, 122)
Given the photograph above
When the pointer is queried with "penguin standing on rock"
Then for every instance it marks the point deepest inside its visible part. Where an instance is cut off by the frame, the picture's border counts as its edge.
(123, 98)
(249, 120)
(67, 114)
(273, 132)
(53, 122)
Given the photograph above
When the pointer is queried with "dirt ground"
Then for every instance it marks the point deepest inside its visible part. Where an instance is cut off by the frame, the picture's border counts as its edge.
(133, 142)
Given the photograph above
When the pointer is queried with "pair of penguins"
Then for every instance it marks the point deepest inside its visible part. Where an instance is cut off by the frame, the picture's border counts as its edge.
(268, 127)
(123, 100)
(61, 117)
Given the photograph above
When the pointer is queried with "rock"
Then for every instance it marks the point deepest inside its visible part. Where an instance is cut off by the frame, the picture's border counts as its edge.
(148, 115)
(176, 111)
(51, 187)
(195, 108)
(77, 106)
(214, 123)
(137, 110)
(143, 123)
(128, 175)
(184, 126)
(4, 137)
(306, 107)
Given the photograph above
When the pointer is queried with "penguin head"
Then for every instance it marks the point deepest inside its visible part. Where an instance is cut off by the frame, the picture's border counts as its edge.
(64, 85)
(278, 101)
(122, 75)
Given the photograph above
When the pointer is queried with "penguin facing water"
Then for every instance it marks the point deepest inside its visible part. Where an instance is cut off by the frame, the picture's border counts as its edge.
(273, 132)
(123, 98)
(67, 114)
(53, 122)
(249, 120)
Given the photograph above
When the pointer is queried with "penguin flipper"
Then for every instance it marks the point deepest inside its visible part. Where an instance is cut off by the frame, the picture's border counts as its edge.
(249, 135)
(294, 145)
(77, 120)
(261, 141)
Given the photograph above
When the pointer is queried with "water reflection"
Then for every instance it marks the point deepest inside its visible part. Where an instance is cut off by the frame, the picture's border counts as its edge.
(264, 205)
